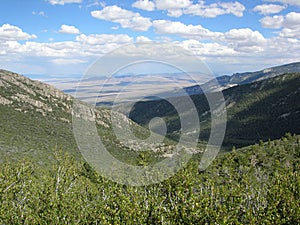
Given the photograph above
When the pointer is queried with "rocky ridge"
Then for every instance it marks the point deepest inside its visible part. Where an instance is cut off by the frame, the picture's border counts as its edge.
(37, 117)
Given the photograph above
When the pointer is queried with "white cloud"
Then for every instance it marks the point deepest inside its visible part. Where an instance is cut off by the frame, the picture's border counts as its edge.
(245, 40)
(289, 2)
(235, 50)
(176, 8)
(290, 33)
(67, 61)
(173, 7)
(66, 29)
(190, 31)
(102, 39)
(215, 9)
(142, 39)
(204, 11)
(240, 40)
(96, 3)
(9, 47)
(274, 22)
(244, 34)
(144, 4)
(62, 2)
(55, 49)
(115, 28)
(41, 13)
(175, 12)
(208, 49)
(126, 18)
(290, 24)
(292, 20)
(268, 9)
(172, 4)
(227, 57)
(12, 33)
(85, 46)
(234, 8)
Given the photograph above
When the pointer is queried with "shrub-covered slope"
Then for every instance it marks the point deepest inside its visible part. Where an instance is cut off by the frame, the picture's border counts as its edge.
(256, 185)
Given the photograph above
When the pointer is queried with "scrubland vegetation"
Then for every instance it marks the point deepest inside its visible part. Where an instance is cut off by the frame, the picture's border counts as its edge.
(259, 184)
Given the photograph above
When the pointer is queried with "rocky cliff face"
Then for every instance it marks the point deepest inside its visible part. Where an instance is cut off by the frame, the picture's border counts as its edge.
(23, 94)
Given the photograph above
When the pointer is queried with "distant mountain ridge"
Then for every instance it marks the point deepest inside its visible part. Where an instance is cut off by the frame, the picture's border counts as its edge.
(227, 81)
(261, 110)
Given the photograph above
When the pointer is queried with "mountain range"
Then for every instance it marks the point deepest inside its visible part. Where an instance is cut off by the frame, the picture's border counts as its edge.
(227, 81)
(260, 106)
(37, 118)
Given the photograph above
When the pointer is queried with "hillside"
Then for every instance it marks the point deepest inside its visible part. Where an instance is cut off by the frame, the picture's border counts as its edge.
(36, 119)
(258, 111)
(252, 185)
(256, 185)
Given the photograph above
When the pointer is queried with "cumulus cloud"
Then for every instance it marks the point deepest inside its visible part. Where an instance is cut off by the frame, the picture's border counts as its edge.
(244, 34)
(292, 20)
(102, 39)
(62, 2)
(142, 39)
(144, 4)
(215, 9)
(290, 24)
(238, 39)
(224, 57)
(13, 33)
(172, 4)
(126, 18)
(176, 8)
(175, 12)
(208, 49)
(173, 7)
(234, 47)
(237, 49)
(289, 2)
(268, 8)
(244, 38)
(273, 22)
(66, 29)
(188, 31)
(92, 45)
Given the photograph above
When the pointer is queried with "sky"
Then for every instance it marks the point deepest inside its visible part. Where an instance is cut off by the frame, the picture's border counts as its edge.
(62, 38)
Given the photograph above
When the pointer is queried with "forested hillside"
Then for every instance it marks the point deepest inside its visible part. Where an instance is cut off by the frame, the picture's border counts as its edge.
(258, 111)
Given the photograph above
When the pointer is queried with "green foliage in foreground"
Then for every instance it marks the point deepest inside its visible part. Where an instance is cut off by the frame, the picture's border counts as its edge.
(256, 185)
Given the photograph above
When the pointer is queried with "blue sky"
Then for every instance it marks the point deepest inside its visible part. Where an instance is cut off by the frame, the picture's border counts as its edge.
(61, 38)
